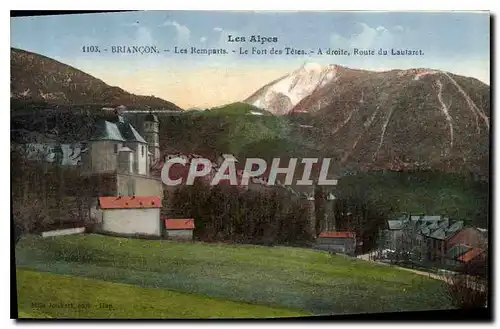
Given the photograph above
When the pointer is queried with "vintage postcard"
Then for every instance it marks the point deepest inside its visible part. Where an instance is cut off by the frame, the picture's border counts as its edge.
(249, 164)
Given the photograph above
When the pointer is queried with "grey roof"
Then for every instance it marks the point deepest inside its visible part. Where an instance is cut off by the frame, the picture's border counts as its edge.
(424, 218)
(129, 133)
(426, 231)
(395, 224)
(458, 250)
(444, 223)
(151, 117)
(433, 226)
(422, 226)
(436, 227)
(116, 130)
(455, 227)
(106, 130)
(431, 218)
(439, 234)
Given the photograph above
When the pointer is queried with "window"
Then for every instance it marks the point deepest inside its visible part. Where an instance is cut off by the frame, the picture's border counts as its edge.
(142, 150)
(116, 148)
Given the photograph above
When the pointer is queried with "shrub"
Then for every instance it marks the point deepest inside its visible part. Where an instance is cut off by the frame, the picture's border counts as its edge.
(468, 288)
(466, 292)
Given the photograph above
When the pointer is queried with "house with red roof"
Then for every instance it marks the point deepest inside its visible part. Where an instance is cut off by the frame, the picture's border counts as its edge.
(179, 229)
(466, 246)
(435, 240)
(129, 215)
(339, 242)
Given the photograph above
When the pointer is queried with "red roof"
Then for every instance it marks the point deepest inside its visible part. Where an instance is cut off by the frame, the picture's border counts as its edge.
(469, 236)
(470, 255)
(179, 224)
(129, 202)
(337, 235)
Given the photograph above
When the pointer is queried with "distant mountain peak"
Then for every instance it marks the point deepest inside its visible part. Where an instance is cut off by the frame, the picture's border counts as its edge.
(317, 67)
(311, 66)
(280, 96)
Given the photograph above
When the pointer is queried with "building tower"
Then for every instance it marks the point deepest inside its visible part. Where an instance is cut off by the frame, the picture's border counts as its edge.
(330, 213)
(308, 202)
(151, 133)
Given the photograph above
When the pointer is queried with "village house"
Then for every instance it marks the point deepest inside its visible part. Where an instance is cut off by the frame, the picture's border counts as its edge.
(117, 159)
(467, 245)
(114, 156)
(116, 163)
(338, 242)
(431, 240)
(179, 229)
(113, 160)
(128, 216)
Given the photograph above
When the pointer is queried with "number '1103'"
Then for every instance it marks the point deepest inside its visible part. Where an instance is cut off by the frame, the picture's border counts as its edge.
(91, 49)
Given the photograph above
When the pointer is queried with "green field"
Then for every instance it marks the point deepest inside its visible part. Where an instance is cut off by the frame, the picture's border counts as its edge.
(275, 279)
(59, 296)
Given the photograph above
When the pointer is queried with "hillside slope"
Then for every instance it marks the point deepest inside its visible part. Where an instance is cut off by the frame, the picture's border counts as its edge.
(226, 129)
(41, 79)
(418, 118)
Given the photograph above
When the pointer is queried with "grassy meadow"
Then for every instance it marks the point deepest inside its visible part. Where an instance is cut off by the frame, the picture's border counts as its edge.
(45, 295)
(273, 279)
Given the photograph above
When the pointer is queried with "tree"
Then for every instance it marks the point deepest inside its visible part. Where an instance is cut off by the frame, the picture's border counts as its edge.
(226, 213)
(364, 217)
(28, 210)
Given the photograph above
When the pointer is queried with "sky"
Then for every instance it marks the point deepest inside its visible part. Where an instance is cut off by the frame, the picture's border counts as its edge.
(457, 42)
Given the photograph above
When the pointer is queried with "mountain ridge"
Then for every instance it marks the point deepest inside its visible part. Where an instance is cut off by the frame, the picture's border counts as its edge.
(414, 119)
(261, 97)
(38, 78)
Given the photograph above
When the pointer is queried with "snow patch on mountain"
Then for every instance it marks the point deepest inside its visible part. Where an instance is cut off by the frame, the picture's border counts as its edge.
(295, 87)
(424, 73)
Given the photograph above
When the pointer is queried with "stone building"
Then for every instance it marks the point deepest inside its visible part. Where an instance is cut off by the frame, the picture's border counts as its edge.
(151, 131)
(117, 159)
